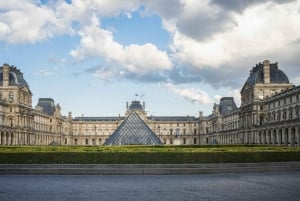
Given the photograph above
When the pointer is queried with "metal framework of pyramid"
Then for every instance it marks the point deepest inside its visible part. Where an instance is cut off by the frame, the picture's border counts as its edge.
(133, 131)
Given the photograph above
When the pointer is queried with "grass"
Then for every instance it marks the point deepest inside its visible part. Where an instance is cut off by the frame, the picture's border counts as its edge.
(146, 154)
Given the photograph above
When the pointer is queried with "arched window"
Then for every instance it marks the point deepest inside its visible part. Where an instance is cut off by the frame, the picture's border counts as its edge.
(279, 115)
(284, 115)
(274, 116)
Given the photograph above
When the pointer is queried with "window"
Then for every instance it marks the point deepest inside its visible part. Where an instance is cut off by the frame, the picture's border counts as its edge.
(261, 120)
(195, 140)
(75, 141)
(184, 141)
(86, 141)
(261, 94)
(284, 115)
(261, 107)
(290, 113)
(297, 111)
(171, 141)
(195, 131)
(184, 131)
(171, 131)
(11, 97)
(100, 141)
(66, 141)
(272, 92)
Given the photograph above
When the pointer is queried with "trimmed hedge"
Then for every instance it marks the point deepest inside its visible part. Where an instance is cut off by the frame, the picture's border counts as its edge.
(147, 154)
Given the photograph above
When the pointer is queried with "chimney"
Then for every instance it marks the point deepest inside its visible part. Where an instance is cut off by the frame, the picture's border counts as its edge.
(200, 114)
(5, 75)
(266, 71)
(127, 105)
(144, 105)
(70, 116)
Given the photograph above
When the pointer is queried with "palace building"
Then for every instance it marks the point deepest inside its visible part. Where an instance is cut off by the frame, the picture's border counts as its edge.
(269, 114)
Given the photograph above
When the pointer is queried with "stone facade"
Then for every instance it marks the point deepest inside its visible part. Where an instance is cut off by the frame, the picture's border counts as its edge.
(269, 114)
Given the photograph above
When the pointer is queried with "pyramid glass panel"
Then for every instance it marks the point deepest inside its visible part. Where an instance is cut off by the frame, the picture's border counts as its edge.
(133, 131)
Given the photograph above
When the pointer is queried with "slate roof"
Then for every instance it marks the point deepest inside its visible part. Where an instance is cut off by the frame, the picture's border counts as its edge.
(257, 75)
(98, 118)
(47, 104)
(15, 77)
(227, 105)
(133, 131)
(135, 105)
(173, 118)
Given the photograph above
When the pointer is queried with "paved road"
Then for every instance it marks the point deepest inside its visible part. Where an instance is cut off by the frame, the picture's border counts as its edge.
(224, 187)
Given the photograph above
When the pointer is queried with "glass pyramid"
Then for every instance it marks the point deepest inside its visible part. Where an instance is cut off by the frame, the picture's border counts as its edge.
(133, 131)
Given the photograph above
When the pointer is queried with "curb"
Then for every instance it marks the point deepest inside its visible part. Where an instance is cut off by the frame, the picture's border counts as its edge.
(145, 169)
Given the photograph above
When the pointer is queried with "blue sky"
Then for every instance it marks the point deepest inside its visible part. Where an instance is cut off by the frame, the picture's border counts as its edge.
(180, 57)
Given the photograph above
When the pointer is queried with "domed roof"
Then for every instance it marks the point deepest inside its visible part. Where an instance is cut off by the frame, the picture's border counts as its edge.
(135, 105)
(276, 75)
(15, 77)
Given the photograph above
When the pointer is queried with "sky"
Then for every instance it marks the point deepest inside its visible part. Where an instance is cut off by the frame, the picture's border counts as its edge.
(178, 56)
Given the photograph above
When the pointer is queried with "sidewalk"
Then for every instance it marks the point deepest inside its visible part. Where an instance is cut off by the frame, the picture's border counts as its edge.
(144, 169)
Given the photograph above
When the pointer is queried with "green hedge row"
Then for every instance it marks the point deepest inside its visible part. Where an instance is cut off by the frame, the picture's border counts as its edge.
(146, 157)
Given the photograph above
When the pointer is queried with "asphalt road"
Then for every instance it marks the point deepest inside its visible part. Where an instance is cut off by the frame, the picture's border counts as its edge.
(273, 186)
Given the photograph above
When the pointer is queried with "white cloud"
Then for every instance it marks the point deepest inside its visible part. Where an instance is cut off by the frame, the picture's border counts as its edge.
(138, 59)
(190, 94)
(205, 35)
(296, 80)
(264, 30)
(43, 72)
(26, 22)
(107, 74)
(236, 96)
